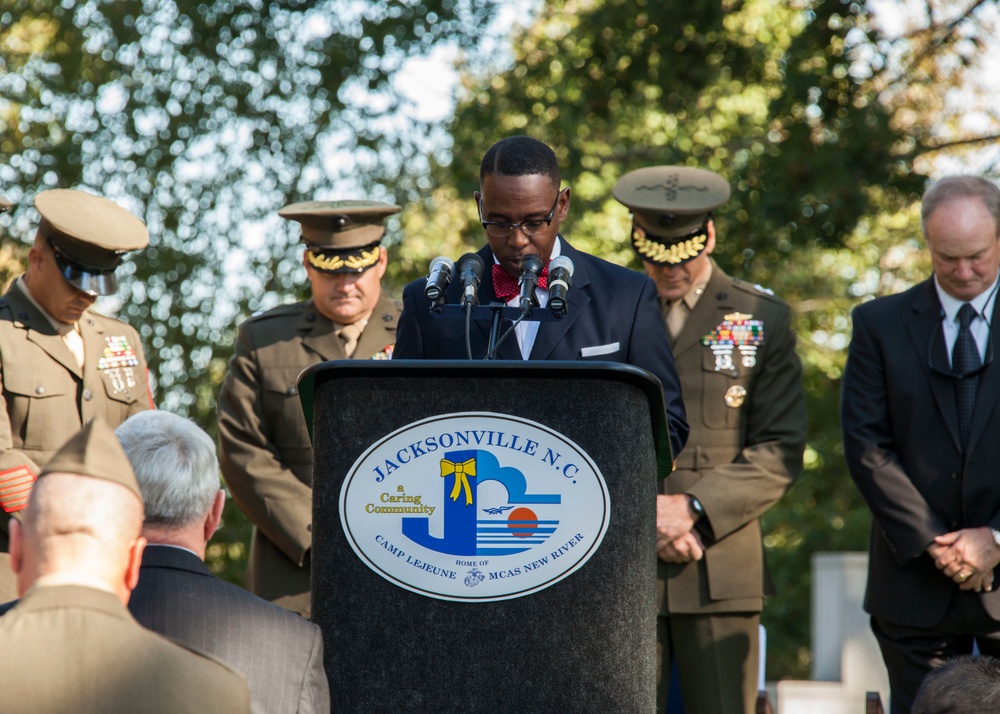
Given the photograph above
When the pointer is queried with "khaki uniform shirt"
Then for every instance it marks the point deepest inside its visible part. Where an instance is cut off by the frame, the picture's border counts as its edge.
(46, 397)
(70, 648)
(266, 454)
(747, 414)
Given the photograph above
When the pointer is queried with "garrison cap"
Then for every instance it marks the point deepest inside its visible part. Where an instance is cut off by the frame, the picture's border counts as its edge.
(342, 236)
(89, 235)
(670, 206)
(94, 451)
(4, 205)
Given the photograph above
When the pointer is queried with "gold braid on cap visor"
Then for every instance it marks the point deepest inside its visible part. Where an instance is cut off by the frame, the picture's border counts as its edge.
(362, 260)
(656, 252)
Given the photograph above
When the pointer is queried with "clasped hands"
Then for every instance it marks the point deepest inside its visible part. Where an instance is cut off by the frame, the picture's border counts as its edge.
(676, 541)
(967, 556)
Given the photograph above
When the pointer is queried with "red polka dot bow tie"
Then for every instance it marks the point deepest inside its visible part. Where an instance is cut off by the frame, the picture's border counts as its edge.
(505, 287)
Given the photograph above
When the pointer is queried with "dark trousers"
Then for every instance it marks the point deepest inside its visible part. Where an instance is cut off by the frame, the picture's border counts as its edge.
(911, 652)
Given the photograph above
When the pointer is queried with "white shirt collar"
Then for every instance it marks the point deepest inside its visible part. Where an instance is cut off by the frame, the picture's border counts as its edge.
(982, 303)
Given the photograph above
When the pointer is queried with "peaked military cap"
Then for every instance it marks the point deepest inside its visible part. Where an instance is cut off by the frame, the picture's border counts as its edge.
(89, 235)
(342, 236)
(670, 207)
(94, 451)
(4, 205)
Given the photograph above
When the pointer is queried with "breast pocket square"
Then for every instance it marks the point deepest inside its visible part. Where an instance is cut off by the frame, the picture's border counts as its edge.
(598, 350)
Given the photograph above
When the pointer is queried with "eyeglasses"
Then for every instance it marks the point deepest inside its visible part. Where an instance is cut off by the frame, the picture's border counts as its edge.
(501, 229)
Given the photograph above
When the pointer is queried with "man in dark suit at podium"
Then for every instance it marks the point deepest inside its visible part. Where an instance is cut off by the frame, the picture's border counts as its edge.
(612, 313)
(279, 652)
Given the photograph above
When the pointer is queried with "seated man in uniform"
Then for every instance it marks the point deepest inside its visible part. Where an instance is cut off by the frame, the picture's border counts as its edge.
(69, 644)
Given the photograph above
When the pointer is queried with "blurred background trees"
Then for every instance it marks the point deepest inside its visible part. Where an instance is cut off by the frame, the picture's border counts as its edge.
(205, 117)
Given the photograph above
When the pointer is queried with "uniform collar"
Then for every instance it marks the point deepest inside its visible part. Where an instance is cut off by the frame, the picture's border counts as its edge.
(61, 327)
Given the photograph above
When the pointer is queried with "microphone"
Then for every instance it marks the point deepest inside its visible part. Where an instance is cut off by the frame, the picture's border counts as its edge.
(439, 277)
(470, 271)
(560, 280)
(530, 267)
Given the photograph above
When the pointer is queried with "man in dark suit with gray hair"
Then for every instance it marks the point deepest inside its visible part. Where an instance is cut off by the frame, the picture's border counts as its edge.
(920, 419)
(280, 653)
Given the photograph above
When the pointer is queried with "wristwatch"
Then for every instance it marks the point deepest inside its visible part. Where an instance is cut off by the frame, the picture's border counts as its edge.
(699, 513)
(996, 536)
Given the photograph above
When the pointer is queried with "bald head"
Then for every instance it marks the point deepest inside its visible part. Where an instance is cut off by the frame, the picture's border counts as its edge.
(78, 525)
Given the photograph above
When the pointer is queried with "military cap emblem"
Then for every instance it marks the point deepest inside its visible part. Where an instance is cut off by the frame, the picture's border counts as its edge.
(670, 206)
(342, 236)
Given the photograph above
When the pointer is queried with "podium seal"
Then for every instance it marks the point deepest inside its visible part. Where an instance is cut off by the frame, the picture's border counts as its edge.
(474, 507)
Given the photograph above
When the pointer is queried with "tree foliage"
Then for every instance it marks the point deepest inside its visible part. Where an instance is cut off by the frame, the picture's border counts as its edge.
(204, 117)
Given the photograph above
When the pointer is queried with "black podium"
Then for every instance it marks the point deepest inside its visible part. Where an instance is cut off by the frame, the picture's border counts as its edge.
(484, 534)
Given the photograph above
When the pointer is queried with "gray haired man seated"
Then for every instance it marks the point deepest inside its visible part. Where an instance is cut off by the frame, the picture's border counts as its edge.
(280, 653)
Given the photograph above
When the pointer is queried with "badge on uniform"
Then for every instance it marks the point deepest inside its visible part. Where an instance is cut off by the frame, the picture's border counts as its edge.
(117, 362)
(385, 353)
(738, 332)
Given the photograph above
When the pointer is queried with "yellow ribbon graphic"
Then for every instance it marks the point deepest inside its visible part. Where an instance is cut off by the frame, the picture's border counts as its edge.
(462, 472)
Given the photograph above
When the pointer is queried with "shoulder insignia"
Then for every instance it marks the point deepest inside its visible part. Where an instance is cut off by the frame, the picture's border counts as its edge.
(15, 487)
(292, 308)
(757, 291)
(737, 332)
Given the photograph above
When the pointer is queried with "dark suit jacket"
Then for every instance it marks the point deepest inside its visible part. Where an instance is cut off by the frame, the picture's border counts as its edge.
(607, 305)
(69, 648)
(280, 653)
(902, 447)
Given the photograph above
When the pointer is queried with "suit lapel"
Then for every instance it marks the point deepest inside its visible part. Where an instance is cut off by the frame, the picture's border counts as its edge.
(379, 333)
(40, 330)
(714, 300)
(93, 343)
(550, 334)
(928, 344)
(318, 334)
(989, 387)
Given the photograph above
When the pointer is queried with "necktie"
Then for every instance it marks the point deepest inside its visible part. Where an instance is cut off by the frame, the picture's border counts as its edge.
(349, 334)
(676, 316)
(74, 341)
(965, 360)
(505, 287)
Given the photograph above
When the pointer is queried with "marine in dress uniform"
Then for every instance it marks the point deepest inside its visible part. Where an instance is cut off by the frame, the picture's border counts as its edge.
(741, 379)
(63, 364)
(266, 453)
(70, 644)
